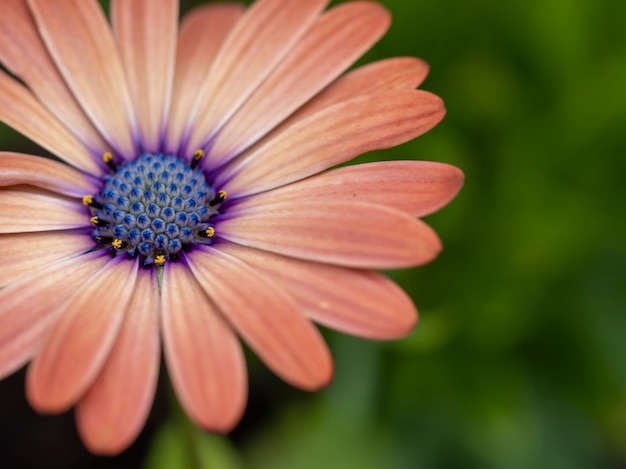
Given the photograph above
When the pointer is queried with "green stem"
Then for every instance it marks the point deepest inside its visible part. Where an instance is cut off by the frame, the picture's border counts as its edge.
(187, 428)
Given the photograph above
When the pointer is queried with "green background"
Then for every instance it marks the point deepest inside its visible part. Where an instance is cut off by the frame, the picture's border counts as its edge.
(519, 357)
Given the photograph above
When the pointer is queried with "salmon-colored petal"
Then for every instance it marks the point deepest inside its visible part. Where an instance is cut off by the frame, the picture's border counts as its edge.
(18, 168)
(202, 33)
(416, 187)
(81, 43)
(333, 43)
(20, 110)
(114, 410)
(81, 338)
(266, 318)
(23, 254)
(146, 32)
(28, 306)
(24, 54)
(354, 301)
(24, 211)
(204, 357)
(334, 135)
(261, 39)
(354, 234)
(397, 73)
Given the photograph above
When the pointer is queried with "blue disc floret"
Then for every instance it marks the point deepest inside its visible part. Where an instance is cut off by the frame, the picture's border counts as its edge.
(154, 207)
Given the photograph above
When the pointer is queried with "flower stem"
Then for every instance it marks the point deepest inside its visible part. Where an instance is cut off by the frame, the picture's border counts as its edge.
(187, 428)
(190, 446)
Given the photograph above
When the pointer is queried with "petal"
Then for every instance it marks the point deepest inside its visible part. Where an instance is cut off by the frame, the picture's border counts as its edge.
(266, 33)
(357, 302)
(202, 33)
(416, 187)
(146, 33)
(45, 173)
(81, 338)
(355, 234)
(204, 357)
(28, 306)
(20, 110)
(332, 136)
(23, 254)
(80, 41)
(24, 211)
(333, 43)
(114, 410)
(397, 73)
(266, 318)
(23, 53)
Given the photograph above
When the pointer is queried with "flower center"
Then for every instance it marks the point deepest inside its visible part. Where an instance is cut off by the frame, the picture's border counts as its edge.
(154, 207)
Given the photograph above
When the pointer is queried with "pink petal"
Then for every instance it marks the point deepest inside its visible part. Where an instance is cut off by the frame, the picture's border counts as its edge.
(333, 43)
(20, 110)
(397, 73)
(81, 339)
(24, 211)
(266, 33)
(354, 234)
(357, 302)
(23, 254)
(45, 173)
(25, 55)
(115, 409)
(334, 135)
(204, 357)
(202, 33)
(28, 306)
(416, 187)
(80, 41)
(266, 318)
(146, 32)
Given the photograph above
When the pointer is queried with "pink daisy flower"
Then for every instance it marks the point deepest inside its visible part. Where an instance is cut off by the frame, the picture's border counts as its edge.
(192, 203)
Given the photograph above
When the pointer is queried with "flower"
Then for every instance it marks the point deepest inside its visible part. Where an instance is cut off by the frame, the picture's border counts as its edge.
(194, 201)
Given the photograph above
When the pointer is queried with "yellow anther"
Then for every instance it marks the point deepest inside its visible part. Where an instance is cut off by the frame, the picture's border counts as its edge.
(97, 221)
(159, 259)
(218, 199)
(117, 243)
(197, 156)
(210, 232)
(89, 201)
(109, 161)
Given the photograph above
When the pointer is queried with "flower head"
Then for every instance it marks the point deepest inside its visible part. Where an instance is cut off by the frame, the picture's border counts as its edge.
(195, 204)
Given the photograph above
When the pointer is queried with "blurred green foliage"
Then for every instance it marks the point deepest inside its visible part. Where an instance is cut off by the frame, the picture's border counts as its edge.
(519, 358)
(518, 361)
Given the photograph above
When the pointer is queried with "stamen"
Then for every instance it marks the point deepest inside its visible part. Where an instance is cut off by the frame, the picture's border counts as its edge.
(208, 233)
(218, 199)
(159, 259)
(104, 239)
(197, 156)
(119, 244)
(89, 202)
(108, 160)
(99, 222)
